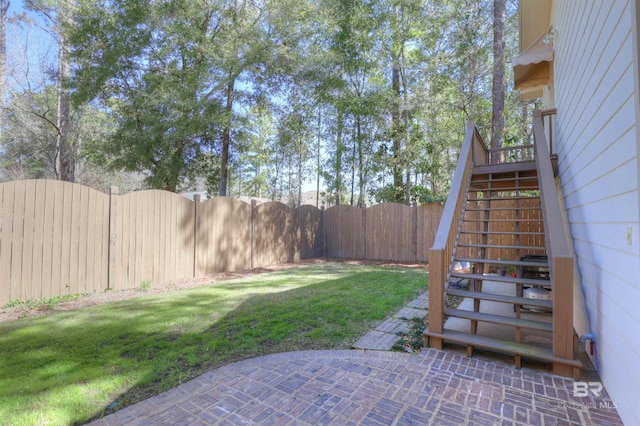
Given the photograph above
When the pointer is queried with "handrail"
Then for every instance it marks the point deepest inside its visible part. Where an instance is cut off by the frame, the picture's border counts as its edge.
(548, 117)
(440, 254)
(479, 149)
(556, 242)
(561, 261)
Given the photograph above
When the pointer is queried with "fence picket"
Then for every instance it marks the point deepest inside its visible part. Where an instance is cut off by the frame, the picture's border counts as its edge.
(59, 238)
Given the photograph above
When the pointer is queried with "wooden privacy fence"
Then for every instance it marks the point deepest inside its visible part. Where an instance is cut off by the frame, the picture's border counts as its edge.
(61, 238)
(382, 232)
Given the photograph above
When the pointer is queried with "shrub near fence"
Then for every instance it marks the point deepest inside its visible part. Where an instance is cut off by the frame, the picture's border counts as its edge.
(62, 238)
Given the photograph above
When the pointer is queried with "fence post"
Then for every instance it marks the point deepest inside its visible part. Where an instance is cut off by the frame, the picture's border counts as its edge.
(196, 227)
(364, 231)
(113, 237)
(322, 234)
(415, 231)
(254, 203)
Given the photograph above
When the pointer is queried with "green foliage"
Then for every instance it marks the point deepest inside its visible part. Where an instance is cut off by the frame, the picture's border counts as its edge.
(413, 340)
(422, 195)
(388, 194)
(44, 304)
(68, 367)
(259, 98)
(418, 195)
(146, 286)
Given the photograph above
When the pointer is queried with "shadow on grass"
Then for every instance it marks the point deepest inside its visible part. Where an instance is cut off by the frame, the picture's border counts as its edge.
(75, 366)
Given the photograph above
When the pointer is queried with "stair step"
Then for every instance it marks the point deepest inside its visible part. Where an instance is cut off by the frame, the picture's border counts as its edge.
(504, 180)
(502, 262)
(507, 198)
(499, 233)
(520, 219)
(504, 346)
(505, 279)
(499, 209)
(492, 297)
(499, 319)
(507, 188)
(502, 177)
(522, 167)
(498, 246)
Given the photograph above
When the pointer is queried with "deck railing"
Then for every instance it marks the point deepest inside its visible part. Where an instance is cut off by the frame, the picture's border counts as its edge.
(561, 262)
(473, 152)
(522, 153)
(511, 154)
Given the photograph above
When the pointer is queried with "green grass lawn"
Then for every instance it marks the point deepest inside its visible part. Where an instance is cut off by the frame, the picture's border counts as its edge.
(69, 367)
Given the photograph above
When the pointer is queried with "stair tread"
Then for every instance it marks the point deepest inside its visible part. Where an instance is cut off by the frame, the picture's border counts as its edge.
(502, 262)
(507, 198)
(499, 246)
(500, 298)
(500, 233)
(506, 168)
(501, 345)
(510, 188)
(505, 279)
(499, 319)
(528, 180)
(523, 219)
(492, 209)
(502, 177)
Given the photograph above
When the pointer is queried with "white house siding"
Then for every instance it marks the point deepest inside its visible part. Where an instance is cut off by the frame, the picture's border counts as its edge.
(598, 171)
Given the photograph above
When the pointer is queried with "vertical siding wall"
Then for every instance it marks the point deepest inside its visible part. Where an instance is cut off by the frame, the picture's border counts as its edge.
(596, 92)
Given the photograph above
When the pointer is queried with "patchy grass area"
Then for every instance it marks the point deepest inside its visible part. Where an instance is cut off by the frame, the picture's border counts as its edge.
(73, 366)
(43, 304)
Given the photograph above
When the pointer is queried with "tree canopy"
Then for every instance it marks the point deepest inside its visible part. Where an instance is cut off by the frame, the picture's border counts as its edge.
(258, 97)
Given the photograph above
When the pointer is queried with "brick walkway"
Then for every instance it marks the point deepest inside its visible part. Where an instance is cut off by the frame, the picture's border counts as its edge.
(350, 387)
(385, 335)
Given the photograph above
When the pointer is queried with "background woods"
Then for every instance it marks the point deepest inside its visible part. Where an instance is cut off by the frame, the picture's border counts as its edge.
(365, 99)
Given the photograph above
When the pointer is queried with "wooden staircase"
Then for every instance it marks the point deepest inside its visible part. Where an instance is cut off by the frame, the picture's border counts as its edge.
(500, 226)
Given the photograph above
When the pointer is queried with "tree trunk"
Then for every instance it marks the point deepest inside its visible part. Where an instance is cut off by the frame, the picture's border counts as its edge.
(226, 139)
(300, 164)
(4, 5)
(65, 152)
(396, 133)
(319, 165)
(524, 125)
(353, 165)
(360, 165)
(339, 149)
(497, 121)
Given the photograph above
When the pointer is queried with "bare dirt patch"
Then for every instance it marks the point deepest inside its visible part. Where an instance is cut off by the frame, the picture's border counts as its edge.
(36, 310)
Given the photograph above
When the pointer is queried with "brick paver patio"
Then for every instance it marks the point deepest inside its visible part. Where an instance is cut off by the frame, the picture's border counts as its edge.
(349, 387)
